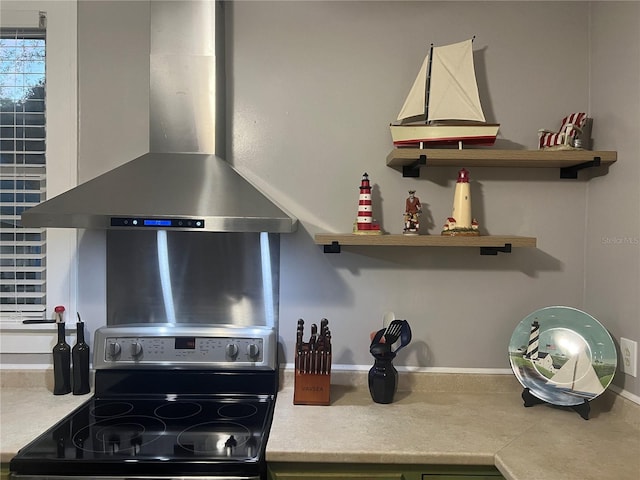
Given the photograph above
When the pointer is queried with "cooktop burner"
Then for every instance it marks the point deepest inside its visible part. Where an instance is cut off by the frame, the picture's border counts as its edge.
(212, 428)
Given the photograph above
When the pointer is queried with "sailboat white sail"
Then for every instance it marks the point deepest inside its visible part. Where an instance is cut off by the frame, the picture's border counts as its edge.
(578, 375)
(416, 100)
(445, 96)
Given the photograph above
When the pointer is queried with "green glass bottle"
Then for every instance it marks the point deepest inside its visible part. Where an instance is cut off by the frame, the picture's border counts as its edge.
(80, 356)
(61, 364)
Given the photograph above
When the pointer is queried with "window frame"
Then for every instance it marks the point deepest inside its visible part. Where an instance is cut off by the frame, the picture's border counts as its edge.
(61, 163)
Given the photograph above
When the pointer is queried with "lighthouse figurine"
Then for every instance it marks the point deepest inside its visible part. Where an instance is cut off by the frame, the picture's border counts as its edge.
(365, 224)
(460, 222)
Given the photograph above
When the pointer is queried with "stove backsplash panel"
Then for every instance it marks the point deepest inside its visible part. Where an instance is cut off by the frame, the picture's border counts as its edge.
(206, 278)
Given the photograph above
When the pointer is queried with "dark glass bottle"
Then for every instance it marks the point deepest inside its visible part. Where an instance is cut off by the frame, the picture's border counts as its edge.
(61, 364)
(80, 355)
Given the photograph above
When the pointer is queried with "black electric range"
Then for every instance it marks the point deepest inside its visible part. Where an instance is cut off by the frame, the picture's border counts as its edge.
(167, 404)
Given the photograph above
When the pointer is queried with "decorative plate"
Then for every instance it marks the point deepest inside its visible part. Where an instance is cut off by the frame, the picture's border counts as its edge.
(562, 355)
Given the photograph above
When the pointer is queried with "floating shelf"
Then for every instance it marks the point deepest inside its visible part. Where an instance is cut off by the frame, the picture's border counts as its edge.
(409, 160)
(489, 244)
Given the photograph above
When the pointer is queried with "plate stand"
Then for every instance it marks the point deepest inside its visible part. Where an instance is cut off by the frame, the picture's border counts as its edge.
(530, 400)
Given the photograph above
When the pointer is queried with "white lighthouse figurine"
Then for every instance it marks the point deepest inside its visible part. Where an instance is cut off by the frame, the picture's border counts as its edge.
(365, 224)
(460, 222)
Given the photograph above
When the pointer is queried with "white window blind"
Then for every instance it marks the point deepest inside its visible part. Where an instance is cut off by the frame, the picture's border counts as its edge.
(22, 170)
(59, 270)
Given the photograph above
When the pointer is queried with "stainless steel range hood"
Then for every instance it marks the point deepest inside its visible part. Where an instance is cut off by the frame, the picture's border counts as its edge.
(183, 185)
(169, 191)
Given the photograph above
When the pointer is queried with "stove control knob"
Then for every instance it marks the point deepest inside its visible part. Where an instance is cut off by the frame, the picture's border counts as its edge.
(232, 351)
(253, 351)
(113, 350)
(136, 349)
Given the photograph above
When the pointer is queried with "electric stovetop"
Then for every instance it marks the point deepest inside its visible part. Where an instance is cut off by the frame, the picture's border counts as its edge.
(167, 402)
(153, 435)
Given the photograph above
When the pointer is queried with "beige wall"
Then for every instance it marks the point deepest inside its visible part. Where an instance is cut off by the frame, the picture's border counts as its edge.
(312, 88)
(612, 256)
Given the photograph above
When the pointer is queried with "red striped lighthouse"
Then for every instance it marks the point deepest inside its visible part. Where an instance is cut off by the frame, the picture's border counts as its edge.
(364, 223)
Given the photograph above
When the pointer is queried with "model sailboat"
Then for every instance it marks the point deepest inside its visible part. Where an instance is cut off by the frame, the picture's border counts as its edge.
(443, 106)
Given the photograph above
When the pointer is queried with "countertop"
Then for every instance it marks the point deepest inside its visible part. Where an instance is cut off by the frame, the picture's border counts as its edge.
(460, 420)
(28, 408)
(438, 419)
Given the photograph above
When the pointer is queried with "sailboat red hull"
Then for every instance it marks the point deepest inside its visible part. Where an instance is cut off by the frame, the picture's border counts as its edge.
(433, 135)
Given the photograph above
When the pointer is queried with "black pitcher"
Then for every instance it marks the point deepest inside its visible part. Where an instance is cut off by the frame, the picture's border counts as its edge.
(383, 376)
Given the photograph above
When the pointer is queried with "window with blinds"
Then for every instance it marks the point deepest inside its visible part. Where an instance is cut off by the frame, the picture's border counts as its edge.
(23, 172)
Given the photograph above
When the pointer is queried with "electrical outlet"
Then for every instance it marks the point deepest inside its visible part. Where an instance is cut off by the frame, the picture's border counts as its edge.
(629, 354)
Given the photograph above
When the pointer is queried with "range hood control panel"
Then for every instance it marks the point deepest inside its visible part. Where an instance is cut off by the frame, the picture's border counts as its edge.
(135, 222)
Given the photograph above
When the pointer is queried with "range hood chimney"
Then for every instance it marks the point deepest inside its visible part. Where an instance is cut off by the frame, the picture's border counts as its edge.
(181, 184)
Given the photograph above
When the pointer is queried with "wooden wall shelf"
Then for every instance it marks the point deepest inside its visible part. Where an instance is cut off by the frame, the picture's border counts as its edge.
(489, 244)
(409, 160)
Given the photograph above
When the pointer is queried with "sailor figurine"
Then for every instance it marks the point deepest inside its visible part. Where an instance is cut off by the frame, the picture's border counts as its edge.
(412, 211)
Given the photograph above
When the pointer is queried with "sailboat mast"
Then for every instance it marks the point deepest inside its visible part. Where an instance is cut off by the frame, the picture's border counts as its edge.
(427, 86)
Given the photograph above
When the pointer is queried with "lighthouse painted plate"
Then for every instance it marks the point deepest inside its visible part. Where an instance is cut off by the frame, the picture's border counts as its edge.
(563, 355)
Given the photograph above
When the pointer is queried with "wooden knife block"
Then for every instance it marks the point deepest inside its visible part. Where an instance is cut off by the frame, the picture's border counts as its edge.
(312, 388)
